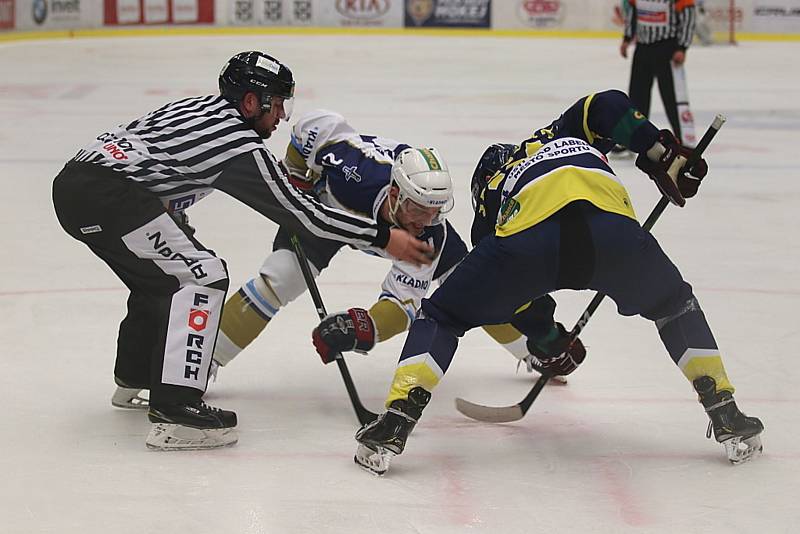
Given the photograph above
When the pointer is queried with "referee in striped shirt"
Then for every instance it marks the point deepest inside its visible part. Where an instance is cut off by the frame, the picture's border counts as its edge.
(663, 31)
(124, 196)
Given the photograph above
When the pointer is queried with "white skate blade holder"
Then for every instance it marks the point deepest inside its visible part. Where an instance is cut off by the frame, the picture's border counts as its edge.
(130, 398)
(740, 450)
(172, 437)
(375, 461)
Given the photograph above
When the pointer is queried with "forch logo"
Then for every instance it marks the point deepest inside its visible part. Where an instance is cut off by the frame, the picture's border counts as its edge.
(363, 9)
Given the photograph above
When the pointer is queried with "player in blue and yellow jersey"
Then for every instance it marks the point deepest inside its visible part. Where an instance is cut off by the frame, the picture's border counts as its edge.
(387, 181)
(550, 214)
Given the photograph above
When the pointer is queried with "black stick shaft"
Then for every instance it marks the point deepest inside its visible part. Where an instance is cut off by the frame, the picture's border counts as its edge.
(364, 416)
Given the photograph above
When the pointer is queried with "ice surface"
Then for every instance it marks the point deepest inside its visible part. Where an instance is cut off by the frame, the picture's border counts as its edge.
(619, 450)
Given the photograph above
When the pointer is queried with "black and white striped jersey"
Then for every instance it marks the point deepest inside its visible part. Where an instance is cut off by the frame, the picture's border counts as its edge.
(651, 21)
(186, 149)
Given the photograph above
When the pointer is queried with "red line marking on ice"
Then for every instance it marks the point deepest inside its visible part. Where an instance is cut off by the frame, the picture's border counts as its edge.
(619, 490)
(456, 500)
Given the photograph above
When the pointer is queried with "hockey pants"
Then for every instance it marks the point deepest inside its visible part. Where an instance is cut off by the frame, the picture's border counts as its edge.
(502, 273)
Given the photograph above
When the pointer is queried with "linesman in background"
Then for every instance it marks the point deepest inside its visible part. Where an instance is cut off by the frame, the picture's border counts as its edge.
(124, 196)
(663, 31)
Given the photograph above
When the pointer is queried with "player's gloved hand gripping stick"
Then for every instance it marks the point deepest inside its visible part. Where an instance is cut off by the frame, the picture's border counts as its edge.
(364, 416)
(506, 414)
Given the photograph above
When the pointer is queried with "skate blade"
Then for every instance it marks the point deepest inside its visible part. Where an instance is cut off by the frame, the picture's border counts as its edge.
(740, 450)
(375, 461)
(171, 437)
(129, 399)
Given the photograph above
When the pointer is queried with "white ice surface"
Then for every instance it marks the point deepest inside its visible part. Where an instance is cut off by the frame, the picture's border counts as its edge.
(621, 449)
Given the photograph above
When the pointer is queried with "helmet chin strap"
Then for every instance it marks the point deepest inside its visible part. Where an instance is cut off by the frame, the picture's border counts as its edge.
(393, 211)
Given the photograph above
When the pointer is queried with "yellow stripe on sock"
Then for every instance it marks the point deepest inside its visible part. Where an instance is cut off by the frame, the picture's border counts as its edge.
(408, 376)
(704, 362)
(503, 333)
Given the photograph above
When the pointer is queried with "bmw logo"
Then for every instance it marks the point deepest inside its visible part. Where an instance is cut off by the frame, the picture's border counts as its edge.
(39, 11)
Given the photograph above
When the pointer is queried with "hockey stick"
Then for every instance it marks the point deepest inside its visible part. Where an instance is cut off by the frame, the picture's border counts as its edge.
(364, 416)
(506, 414)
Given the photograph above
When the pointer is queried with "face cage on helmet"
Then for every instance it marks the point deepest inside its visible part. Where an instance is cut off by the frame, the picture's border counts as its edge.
(439, 218)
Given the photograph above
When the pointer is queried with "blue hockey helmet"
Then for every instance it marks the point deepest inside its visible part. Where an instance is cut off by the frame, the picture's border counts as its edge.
(258, 73)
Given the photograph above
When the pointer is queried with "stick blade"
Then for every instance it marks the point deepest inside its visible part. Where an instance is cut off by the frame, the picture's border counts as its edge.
(489, 414)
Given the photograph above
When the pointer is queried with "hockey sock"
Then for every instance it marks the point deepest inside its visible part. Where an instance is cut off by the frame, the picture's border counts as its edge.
(510, 338)
(426, 355)
(690, 343)
(390, 319)
(247, 312)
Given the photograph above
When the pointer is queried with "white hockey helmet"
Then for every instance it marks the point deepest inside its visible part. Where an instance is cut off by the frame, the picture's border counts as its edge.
(422, 176)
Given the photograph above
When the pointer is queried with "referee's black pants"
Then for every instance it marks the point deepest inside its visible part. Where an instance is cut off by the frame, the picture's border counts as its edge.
(655, 61)
(177, 286)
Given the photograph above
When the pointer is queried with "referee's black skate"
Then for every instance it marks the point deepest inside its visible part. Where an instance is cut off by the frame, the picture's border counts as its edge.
(190, 426)
(386, 436)
(739, 433)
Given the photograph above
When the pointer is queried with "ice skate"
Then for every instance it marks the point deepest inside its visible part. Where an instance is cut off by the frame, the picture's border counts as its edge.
(738, 433)
(133, 398)
(130, 398)
(190, 426)
(382, 439)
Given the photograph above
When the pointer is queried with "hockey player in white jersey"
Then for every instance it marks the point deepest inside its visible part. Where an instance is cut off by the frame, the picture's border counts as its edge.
(123, 196)
(386, 180)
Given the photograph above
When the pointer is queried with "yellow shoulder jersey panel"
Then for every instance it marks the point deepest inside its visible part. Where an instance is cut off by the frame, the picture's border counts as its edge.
(562, 171)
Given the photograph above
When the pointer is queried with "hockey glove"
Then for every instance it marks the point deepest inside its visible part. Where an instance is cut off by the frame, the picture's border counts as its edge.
(553, 354)
(665, 164)
(340, 332)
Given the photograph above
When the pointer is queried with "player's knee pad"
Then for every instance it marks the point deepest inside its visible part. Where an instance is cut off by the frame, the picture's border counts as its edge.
(281, 271)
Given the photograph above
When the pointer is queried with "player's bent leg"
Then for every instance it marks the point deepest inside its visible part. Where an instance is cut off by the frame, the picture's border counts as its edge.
(427, 353)
(689, 340)
(486, 289)
(248, 311)
(649, 284)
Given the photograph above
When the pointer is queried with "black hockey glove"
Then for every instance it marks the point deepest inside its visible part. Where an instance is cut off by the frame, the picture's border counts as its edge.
(665, 164)
(340, 332)
(553, 354)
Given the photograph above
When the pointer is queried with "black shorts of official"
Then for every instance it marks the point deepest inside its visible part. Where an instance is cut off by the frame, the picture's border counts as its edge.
(177, 286)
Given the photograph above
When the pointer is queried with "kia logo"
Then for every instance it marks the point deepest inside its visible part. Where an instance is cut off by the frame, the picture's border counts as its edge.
(363, 9)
